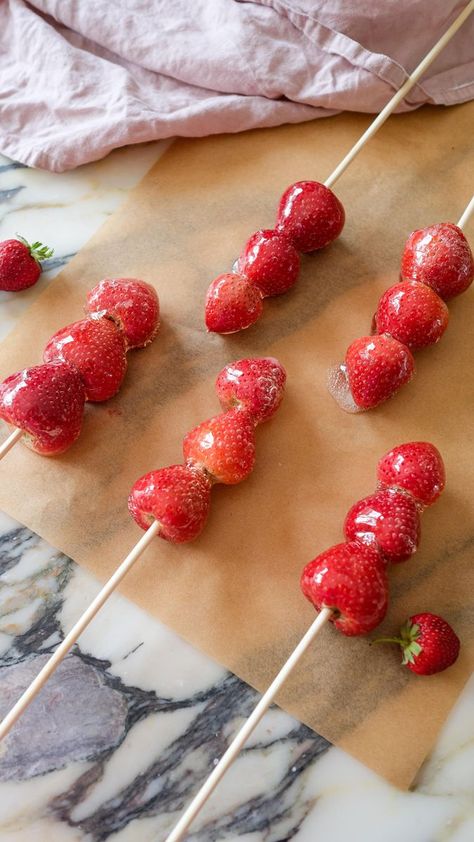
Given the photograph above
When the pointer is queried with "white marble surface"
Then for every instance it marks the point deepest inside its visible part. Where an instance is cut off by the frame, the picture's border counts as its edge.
(135, 718)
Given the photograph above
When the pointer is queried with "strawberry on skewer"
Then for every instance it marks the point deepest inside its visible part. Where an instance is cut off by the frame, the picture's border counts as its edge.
(310, 217)
(132, 304)
(122, 314)
(95, 348)
(347, 584)
(437, 264)
(45, 403)
(173, 502)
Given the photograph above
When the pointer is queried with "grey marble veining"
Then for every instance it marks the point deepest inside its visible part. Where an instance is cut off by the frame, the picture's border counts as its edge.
(87, 713)
(135, 718)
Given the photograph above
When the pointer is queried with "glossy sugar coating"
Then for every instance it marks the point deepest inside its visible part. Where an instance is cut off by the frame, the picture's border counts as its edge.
(387, 520)
(223, 446)
(18, 269)
(232, 304)
(253, 384)
(417, 467)
(338, 387)
(412, 313)
(132, 304)
(440, 257)
(47, 403)
(310, 215)
(269, 261)
(439, 644)
(96, 348)
(177, 497)
(351, 579)
(377, 366)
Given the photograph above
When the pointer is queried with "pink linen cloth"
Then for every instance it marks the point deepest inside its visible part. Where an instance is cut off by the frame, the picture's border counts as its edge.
(78, 79)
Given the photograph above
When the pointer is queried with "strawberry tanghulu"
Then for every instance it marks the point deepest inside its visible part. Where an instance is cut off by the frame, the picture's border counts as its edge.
(309, 217)
(85, 361)
(440, 257)
(381, 529)
(219, 450)
(348, 586)
(95, 348)
(46, 402)
(132, 304)
(173, 503)
(437, 264)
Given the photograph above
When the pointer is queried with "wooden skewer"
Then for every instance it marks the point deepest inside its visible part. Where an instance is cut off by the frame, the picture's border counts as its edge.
(51, 665)
(247, 728)
(121, 571)
(466, 214)
(10, 442)
(401, 93)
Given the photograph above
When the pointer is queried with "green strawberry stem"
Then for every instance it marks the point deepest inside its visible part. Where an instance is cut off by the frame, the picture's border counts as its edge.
(37, 250)
(388, 640)
(409, 634)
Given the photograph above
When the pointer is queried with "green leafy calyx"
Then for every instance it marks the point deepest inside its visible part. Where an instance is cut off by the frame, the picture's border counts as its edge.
(37, 250)
(408, 641)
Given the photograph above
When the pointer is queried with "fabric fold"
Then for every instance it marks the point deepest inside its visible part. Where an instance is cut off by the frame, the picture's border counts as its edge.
(79, 79)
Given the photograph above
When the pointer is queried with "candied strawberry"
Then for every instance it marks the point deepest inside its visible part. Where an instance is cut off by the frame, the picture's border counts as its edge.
(377, 367)
(388, 520)
(47, 403)
(232, 304)
(416, 467)
(179, 497)
(428, 643)
(253, 384)
(350, 579)
(20, 263)
(96, 348)
(132, 304)
(270, 262)
(310, 215)
(439, 256)
(224, 446)
(413, 314)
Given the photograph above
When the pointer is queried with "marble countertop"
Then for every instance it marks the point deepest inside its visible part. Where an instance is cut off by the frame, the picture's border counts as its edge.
(142, 715)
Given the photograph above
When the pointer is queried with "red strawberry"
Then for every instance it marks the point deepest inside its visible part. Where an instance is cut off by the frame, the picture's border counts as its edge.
(377, 366)
(232, 304)
(253, 384)
(387, 520)
(413, 314)
(439, 256)
(178, 497)
(96, 348)
(428, 643)
(310, 215)
(270, 262)
(132, 304)
(416, 467)
(351, 579)
(47, 403)
(20, 263)
(224, 446)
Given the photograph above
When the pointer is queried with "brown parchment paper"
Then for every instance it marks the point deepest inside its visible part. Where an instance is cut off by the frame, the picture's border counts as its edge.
(234, 593)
